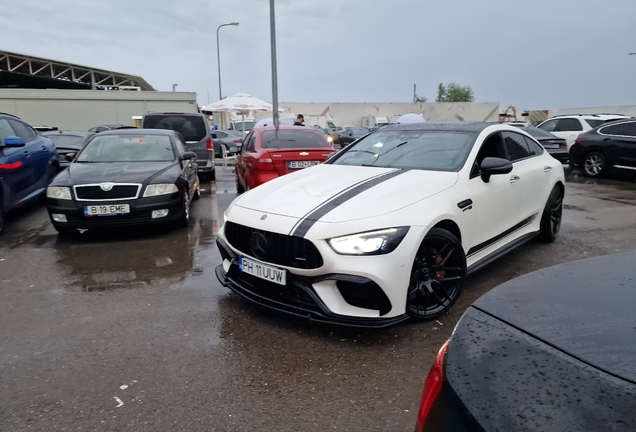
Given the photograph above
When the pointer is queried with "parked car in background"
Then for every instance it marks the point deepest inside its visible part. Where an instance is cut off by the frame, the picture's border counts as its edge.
(28, 162)
(350, 135)
(553, 350)
(195, 129)
(570, 126)
(125, 178)
(557, 147)
(334, 132)
(389, 228)
(230, 139)
(68, 143)
(107, 127)
(270, 152)
(611, 147)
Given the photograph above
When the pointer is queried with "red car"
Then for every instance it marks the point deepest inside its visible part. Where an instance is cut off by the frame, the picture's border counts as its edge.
(269, 152)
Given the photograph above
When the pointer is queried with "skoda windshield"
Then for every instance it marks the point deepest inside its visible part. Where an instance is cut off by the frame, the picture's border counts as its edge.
(127, 148)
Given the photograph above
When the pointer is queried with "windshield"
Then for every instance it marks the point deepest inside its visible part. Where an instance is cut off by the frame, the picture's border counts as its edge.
(298, 138)
(67, 141)
(127, 148)
(191, 127)
(426, 150)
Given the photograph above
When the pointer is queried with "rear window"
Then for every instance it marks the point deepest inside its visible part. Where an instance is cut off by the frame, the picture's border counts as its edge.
(192, 128)
(594, 122)
(286, 138)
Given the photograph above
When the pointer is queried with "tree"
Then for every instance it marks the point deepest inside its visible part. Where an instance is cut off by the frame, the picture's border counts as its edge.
(454, 93)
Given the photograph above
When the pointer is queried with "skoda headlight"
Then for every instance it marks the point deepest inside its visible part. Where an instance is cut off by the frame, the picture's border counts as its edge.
(160, 189)
(58, 192)
(369, 243)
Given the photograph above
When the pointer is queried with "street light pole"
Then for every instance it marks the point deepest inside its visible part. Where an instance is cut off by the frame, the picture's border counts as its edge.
(218, 53)
(272, 25)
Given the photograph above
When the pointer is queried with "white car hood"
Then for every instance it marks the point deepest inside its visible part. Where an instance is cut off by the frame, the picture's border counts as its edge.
(345, 193)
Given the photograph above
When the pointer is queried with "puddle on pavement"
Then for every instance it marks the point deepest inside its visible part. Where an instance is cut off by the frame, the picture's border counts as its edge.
(104, 261)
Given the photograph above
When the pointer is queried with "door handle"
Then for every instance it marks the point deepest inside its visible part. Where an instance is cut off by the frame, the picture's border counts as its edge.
(547, 168)
(514, 179)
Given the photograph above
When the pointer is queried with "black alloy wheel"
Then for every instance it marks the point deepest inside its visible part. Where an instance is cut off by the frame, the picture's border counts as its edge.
(437, 277)
(197, 191)
(1, 219)
(552, 216)
(239, 188)
(594, 164)
(185, 212)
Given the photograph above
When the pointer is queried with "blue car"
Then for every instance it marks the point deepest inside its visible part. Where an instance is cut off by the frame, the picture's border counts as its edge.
(28, 162)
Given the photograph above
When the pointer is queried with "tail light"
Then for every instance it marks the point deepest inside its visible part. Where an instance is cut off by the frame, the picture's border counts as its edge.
(209, 145)
(237, 141)
(578, 140)
(432, 387)
(265, 163)
(563, 144)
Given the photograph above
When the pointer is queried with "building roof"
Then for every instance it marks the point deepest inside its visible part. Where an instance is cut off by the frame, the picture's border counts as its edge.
(25, 71)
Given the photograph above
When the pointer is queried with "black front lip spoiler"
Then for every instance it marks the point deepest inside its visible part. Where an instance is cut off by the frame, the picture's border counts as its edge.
(325, 316)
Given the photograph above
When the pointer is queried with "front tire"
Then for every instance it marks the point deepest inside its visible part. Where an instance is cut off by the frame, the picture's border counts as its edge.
(1, 219)
(552, 216)
(594, 164)
(239, 188)
(184, 221)
(437, 277)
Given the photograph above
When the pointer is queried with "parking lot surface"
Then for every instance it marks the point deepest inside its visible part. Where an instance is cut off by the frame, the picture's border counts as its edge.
(131, 330)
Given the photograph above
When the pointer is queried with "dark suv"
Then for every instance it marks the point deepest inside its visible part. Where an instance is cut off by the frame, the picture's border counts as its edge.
(28, 162)
(195, 130)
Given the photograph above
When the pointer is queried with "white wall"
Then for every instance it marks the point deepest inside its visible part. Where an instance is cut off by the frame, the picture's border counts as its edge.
(83, 109)
(352, 113)
(628, 110)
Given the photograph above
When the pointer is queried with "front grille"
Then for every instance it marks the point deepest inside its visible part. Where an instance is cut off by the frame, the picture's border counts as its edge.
(96, 193)
(289, 295)
(281, 249)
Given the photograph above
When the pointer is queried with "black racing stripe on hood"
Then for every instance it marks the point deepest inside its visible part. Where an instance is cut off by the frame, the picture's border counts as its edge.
(300, 230)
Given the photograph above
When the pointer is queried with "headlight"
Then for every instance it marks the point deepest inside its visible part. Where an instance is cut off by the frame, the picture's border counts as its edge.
(58, 192)
(160, 189)
(329, 138)
(369, 243)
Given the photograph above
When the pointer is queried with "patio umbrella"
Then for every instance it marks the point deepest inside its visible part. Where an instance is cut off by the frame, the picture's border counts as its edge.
(241, 103)
(410, 118)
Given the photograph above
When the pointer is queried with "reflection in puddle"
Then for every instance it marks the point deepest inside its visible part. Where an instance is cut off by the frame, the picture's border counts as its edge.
(130, 259)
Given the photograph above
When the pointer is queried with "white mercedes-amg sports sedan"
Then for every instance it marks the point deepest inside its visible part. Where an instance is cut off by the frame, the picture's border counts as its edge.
(388, 228)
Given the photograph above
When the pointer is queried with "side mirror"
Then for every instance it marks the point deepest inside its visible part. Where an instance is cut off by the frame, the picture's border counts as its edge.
(493, 166)
(70, 157)
(13, 141)
(188, 155)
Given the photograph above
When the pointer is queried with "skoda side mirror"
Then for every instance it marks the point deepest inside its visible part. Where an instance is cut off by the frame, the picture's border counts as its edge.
(188, 155)
(70, 157)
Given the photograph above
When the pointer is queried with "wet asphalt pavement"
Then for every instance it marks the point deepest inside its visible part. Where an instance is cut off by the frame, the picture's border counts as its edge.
(132, 331)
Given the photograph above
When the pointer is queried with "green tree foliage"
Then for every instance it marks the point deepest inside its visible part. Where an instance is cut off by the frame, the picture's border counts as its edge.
(454, 93)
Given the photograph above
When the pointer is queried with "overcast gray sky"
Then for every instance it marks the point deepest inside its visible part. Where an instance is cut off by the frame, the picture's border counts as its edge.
(539, 54)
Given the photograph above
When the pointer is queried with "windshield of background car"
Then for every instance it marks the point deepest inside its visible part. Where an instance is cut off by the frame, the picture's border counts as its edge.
(192, 128)
(426, 150)
(286, 138)
(538, 133)
(360, 132)
(127, 148)
(249, 125)
(67, 141)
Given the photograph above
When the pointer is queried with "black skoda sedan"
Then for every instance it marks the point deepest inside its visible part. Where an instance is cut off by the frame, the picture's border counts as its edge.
(553, 350)
(125, 177)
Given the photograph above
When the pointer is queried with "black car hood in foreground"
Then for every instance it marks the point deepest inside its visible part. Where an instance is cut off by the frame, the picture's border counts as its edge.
(585, 308)
(131, 172)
